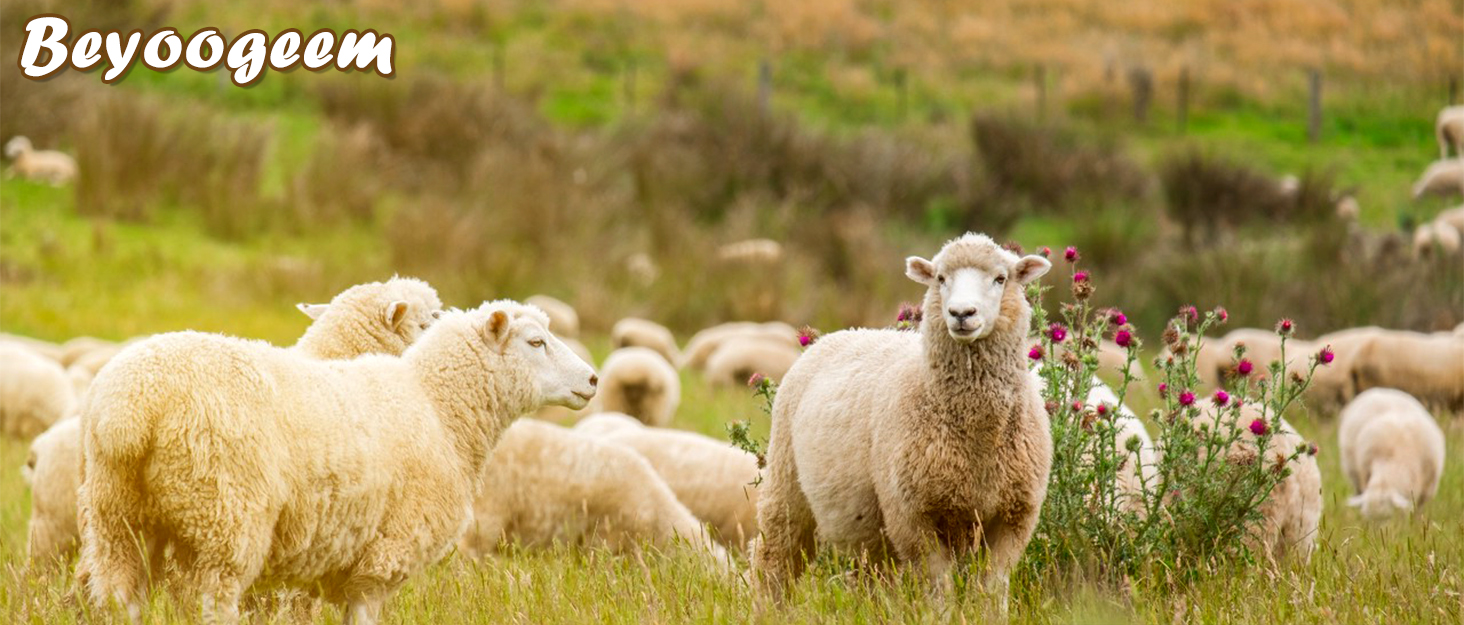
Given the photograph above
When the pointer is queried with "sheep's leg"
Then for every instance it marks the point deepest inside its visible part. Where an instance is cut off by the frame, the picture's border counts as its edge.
(363, 611)
(112, 556)
(1005, 543)
(786, 529)
(917, 543)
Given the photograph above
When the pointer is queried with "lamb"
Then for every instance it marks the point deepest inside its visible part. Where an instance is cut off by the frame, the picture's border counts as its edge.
(1443, 177)
(35, 392)
(53, 472)
(1435, 238)
(358, 473)
(736, 360)
(48, 166)
(1450, 131)
(1427, 367)
(1292, 512)
(711, 477)
(640, 383)
(634, 332)
(1392, 452)
(934, 443)
(703, 343)
(548, 484)
(564, 322)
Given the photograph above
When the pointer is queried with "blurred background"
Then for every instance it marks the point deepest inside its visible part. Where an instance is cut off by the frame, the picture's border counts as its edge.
(621, 155)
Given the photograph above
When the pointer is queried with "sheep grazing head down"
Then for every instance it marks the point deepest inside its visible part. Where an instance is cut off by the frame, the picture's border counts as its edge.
(970, 281)
(17, 146)
(1379, 503)
(560, 376)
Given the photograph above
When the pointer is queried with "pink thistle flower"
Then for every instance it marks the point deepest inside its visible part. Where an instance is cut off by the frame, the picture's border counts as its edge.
(1222, 314)
(1057, 332)
(1118, 318)
(1077, 406)
(1081, 276)
(1221, 398)
(1285, 327)
(1312, 449)
(1044, 251)
(1163, 389)
(1186, 398)
(1244, 367)
(1102, 409)
(756, 380)
(807, 336)
(1071, 254)
(1326, 355)
(1259, 427)
(1035, 353)
(1123, 338)
(1190, 313)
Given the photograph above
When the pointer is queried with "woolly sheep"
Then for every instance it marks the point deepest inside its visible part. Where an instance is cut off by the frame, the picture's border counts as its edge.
(1445, 177)
(639, 382)
(77, 348)
(752, 251)
(44, 348)
(735, 361)
(711, 477)
(560, 414)
(1292, 512)
(1453, 216)
(564, 321)
(35, 392)
(1435, 235)
(1427, 367)
(357, 474)
(1392, 452)
(1132, 476)
(703, 343)
(49, 166)
(548, 484)
(934, 443)
(53, 472)
(634, 332)
(1450, 130)
(1348, 209)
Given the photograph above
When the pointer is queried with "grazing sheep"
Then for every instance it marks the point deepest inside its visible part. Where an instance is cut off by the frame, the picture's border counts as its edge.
(77, 348)
(934, 443)
(1450, 131)
(1211, 362)
(44, 348)
(1348, 209)
(1427, 367)
(1435, 238)
(1453, 216)
(1392, 452)
(703, 343)
(713, 478)
(48, 166)
(547, 484)
(53, 473)
(1445, 177)
(752, 251)
(642, 268)
(1291, 513)
(634, 332)
(639, 382)
(35, 392)
(1332, 385)
(254, 463)
(736, 360)
(564, 321)
(371, 318)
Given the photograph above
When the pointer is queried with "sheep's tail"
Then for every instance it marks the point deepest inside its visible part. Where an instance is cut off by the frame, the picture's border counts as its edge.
(117, 419)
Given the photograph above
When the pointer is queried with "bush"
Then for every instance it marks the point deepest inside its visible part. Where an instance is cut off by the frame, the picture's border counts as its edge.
(1209, 194)
(1049, 168)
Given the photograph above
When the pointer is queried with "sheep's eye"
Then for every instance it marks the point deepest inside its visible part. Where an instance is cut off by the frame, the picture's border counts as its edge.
(941, 279)
(1001, 279)
(536, 342)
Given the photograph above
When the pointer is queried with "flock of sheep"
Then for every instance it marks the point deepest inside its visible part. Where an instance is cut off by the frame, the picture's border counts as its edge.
(1444, 177)
(391, 432)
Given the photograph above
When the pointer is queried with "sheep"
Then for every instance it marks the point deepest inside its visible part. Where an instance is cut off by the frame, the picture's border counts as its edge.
(77, 348)
(53, 472)
(703, 343)
(1392, 452)
(1348, 209)
(49, 166)
(934, 443)
(1112, 359)
(735, 361)
(634, 332)
(1427, 367)
(564, 321)
(371, 318)
(44, 348)
(1211, 362)
(752, 251)
(35, 392)
(548, 484)
(1292, 511)
(1444, 177)
(1140, 466)
(639, 382)
(1450, 131)
(711, 477)
(254, 463)
(1435, 235)
(642, 268)
(1453, 216)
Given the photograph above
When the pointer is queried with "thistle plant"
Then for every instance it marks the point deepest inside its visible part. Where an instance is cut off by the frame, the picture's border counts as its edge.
(1197, 498)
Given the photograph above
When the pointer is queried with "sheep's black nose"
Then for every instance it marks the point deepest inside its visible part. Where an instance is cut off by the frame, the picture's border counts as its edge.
(594, 380)
(961, 313)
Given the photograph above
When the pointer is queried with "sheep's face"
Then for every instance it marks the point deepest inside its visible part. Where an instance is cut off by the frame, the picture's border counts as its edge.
(560, 377)
(969, 285)
(1378, 504)
(407, 308)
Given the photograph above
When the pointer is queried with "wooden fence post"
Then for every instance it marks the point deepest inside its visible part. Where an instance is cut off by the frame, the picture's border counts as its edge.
(1142, 83)
(764, 84)
(1314, 106)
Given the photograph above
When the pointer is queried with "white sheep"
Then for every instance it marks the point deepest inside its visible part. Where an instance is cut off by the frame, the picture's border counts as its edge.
(1452, 216)
(1444, 177)
(934, 443)
(1435, 238)
(53, 472)
(49, 166)
(547, 484)
(254, 463)
(704, 343)
(1392, 452)
(564, 321)
(78, 347)
(1450, 130)
(752, 251)
(737, 360)
(639, 382)
(1140, 467)
(35, 392)
(1348, 209)
(44, 348)
(713, 478)
(635, 332)
(1430, 368)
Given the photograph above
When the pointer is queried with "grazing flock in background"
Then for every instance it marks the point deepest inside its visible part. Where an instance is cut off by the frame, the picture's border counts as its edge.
(396, 431)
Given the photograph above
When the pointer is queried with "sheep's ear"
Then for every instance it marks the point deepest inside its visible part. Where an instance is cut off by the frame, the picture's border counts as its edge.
(396, 313)
(920, 270)
(313, 311)
(1030, 268)
(495, 330)
(1354, 501)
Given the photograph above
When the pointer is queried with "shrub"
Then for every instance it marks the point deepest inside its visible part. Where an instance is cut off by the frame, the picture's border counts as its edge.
(1050, 168)
(1210, 193)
